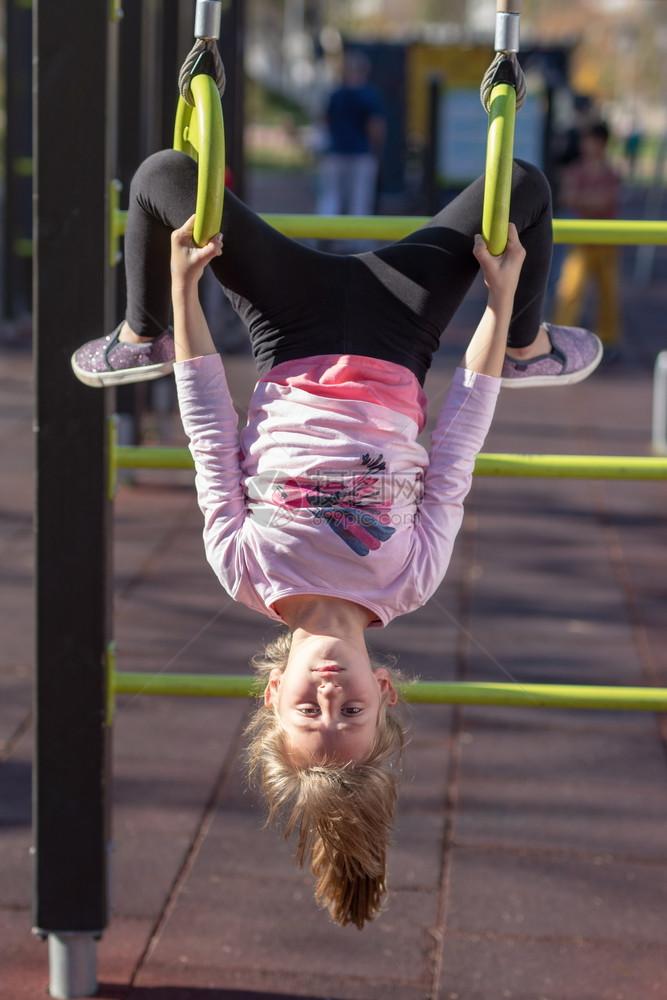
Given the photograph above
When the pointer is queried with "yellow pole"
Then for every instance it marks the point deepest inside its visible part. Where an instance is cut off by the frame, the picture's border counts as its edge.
(530, 466)
(613, 232)
(643, 699)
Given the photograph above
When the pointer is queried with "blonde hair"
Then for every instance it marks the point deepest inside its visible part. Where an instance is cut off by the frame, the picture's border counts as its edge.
(343, 814)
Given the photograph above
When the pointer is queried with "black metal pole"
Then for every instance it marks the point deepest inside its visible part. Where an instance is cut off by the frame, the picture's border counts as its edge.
(231, 45)
(75, 58)
(17, 252)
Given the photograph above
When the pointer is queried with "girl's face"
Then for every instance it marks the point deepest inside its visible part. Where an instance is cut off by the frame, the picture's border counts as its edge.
(328, 699)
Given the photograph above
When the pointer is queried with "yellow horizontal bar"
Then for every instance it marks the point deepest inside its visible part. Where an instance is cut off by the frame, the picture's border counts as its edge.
(387, 228)
(394, 227)
(539, 695)
(562, 466)
(424, 692)
(182, 685)
(616, 232)
(572, 466)
(133, 457)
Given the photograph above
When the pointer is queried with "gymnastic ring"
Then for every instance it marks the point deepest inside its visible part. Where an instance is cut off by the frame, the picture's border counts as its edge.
(199, 132)
(499, 162)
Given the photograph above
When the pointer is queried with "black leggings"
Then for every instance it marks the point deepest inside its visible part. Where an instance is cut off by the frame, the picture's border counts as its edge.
(393, 303)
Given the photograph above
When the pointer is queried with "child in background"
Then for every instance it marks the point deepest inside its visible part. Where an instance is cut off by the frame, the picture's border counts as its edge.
(591, 189)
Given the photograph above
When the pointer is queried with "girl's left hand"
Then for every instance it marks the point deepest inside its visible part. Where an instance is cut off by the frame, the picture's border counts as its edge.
(188, 260)
(501, 274)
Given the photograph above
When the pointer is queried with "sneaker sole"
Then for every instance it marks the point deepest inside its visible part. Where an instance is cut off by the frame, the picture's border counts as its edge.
(568, 378)
(124, 376)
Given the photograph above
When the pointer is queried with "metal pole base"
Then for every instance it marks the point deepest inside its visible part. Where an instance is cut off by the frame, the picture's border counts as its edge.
(72, 965)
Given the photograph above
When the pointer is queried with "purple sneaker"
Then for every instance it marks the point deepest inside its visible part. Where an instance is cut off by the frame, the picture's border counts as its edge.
(576, 353)
(107, 361)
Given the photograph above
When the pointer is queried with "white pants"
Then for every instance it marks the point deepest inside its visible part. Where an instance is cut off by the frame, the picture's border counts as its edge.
(347, 184)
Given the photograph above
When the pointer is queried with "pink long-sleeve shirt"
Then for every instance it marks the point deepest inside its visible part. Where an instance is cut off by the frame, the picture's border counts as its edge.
(327, 490)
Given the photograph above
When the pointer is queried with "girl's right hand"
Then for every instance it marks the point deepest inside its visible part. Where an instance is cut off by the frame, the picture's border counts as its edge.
(187, 259)
(501, 274)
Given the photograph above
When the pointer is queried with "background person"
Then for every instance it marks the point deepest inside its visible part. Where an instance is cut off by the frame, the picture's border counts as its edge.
(591, 189)
(356, 132)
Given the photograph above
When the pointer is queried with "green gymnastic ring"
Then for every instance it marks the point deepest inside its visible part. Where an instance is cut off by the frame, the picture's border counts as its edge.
(199, 132)
(499, 159)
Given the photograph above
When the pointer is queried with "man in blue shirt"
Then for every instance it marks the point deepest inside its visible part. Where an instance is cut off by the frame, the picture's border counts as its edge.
(357, 127)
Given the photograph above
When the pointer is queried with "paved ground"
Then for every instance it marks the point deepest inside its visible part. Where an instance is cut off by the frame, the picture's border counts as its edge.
(530, 857)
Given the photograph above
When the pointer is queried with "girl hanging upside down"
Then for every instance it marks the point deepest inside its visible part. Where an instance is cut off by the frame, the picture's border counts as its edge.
(331, 518)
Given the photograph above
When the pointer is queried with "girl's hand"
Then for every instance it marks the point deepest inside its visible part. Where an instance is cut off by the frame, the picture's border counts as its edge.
(501, 274)
(188, 260)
